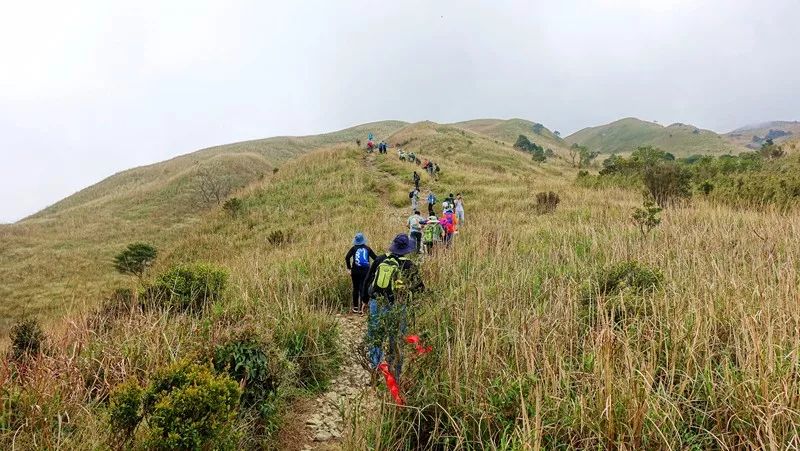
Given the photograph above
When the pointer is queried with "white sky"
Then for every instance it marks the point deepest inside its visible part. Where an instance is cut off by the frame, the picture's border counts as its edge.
(88, 88)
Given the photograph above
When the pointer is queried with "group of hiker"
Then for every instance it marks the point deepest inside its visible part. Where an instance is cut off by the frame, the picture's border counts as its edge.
(431, 168)
(382, 146)
(384, 285)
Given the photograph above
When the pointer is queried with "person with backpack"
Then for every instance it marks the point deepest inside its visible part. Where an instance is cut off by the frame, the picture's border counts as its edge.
(389, 277)
(415, 222)
(415, 177)
(357, 261)
(432, 233)
(448, 223)
(431, 203)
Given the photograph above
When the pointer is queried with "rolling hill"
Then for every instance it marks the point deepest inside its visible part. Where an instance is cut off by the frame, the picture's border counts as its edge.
(625, 135)
(508, 130)
(753, 136)
(51, 259)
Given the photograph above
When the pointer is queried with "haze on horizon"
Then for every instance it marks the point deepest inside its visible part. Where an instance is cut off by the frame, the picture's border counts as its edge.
(89, 88)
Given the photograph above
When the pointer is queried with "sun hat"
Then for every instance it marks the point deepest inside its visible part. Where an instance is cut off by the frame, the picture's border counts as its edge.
(359, 239)
(402, 245)
(433, 219)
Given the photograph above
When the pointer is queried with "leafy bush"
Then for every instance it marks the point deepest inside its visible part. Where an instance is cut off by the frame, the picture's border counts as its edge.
(135, 259)
(618, 290)
(253, 365)
(125, 409)
(278, 237)
(188, 287)
(546, 202)
(27, 338)
(646, 218)
(188, 406)
(233, 207)
(668, 183)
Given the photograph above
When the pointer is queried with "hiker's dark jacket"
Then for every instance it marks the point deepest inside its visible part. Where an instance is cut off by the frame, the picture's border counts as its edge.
(409, 273)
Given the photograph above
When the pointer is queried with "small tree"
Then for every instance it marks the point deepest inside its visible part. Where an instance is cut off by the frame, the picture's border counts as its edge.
(575, 152)
(586, 156)
(770, 150)
(233, 206)
(212, 188)
(522, 143)
(539, 155)
(646, 217)
(557, 133)
(27, 338)
(667, 182)
(546, 202)
(135, 259)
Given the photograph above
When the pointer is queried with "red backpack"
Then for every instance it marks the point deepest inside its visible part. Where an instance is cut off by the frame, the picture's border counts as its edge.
(448, 223)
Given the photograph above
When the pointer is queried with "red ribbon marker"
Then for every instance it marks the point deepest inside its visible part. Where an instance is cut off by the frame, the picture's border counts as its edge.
(414, 340)
(391, 383)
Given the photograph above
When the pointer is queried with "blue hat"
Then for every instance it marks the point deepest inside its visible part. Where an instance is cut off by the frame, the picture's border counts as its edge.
(402, 245)
(359, 239)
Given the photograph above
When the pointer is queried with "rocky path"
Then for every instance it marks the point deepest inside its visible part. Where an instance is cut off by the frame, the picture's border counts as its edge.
(349, 391)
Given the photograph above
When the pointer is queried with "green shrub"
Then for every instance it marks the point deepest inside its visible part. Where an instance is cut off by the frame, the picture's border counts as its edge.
(668, 183)
(646, 218)
(135, 259)
(278, 237)
(125, 409)
(188, 406)
(27, 338)
(188, 287)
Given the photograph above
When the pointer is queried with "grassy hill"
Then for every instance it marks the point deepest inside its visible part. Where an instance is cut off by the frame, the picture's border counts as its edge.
(560, 331)
(753, 136)
(58, 258)
(508, 130)
(625, 135)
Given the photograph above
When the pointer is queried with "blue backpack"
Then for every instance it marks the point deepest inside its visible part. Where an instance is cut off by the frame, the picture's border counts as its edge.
(362, 257)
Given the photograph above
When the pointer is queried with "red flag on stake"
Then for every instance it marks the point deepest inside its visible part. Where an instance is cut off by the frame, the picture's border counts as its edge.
(391, 383)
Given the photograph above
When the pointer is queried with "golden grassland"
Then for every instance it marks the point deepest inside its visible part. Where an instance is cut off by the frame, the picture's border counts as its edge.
(709, 360)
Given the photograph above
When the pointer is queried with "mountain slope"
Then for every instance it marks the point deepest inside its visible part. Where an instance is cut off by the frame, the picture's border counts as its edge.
(51, 259)
(625, 135)
(510, 129)
(753, 136)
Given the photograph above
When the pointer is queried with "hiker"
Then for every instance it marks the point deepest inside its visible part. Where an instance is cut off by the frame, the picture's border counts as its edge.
(357, 261)
(415, 222)
(402, 155)
(415, 177)
(414, 196)
(431, 203)
(358, 143)
(390, 277)
(448, 222)
(459, 209)
(432, 233)
(370, 146)
(411, 157)
(436, 172)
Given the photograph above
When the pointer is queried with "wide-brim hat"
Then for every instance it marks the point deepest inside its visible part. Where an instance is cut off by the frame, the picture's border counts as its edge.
(359, 239)
(402, 245)
(433, 219)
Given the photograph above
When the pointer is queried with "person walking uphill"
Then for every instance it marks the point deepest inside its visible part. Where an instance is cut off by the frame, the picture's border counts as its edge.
(392, 279)
(415, 222)
(416, 180)
(460, 210)
(357, 261)
(431, 203)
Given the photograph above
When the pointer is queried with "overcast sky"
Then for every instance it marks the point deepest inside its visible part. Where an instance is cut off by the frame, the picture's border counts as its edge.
(88, 88)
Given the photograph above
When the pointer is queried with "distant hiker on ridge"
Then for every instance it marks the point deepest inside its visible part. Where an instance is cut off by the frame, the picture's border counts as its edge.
(415, 177)
(357, 261)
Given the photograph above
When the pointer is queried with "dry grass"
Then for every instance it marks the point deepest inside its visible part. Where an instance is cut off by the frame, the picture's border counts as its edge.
(710, 361)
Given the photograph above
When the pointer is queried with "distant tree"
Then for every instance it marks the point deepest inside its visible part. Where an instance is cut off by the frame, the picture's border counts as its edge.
(549, 153)
(522, 142)
(211, 187)
(233, 206)
(575, 151)
(135, 259)
(668, 182)
(557, 133)
(538, 155)
(587, 156)
(537, 128)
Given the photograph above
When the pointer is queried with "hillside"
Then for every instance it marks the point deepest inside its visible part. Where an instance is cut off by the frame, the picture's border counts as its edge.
(625, 135)
(58, 258)
(753, 136)
(564, 330)
(510, 129)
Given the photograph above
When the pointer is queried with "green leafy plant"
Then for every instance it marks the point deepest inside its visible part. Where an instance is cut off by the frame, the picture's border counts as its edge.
(135, 259)
(125, 409)
(646, 217)
(27, 338)
(619, 290)
(188, 406)
(188, 287)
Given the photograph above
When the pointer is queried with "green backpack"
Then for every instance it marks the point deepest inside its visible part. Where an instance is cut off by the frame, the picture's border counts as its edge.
(431, 232)
(387, 276)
